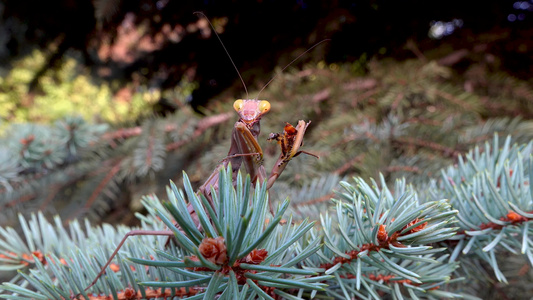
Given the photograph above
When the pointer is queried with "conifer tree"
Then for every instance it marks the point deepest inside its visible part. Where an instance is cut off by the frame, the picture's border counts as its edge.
(450, 200)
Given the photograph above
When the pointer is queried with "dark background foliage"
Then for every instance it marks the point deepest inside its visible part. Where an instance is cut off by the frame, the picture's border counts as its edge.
(257, 34)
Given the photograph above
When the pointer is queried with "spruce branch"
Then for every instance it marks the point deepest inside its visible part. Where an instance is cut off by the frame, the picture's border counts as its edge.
(51, 253)
(310, 200)
(491, 189)
(383, 243)
(43, 162)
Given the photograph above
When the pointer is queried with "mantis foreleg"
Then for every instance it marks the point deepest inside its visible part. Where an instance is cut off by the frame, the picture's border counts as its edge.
(290, 142)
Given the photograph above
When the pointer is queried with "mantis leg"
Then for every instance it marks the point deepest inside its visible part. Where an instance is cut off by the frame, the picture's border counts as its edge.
(253, 154)
(131, 233)
(243, 147)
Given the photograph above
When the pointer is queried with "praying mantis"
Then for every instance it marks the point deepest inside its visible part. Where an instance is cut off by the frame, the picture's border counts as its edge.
(244, 146)
(244, 149)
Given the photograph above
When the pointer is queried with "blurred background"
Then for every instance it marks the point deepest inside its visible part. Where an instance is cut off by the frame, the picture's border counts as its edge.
(105, 101)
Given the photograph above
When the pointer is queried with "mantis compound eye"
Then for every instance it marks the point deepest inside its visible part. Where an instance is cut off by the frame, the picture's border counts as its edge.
(264, 106)
(238, 104)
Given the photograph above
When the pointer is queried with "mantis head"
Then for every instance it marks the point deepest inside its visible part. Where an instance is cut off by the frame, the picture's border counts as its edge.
(251, 111)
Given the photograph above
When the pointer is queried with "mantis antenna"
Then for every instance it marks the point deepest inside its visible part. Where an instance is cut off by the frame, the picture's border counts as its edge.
(236, 69)
(298, 57)
(220, 40)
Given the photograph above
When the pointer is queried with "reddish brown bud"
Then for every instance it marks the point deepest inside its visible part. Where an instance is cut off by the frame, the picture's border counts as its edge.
(417, 228)
(420, 227)
(27, 140)
(129, 293)
(514, 217)
(40, 256)
(194, 258)
(114, 267)
(382, 234)
(256, 256)
(214, 250)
